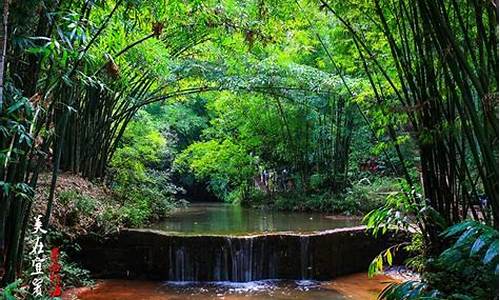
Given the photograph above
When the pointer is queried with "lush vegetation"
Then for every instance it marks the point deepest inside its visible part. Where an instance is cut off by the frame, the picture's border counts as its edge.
(383, 108)
(466, 270)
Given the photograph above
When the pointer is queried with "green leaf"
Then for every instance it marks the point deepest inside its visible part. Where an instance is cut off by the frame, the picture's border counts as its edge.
(388, 256)
(451, 255)
(479, 244)
(15, 106)
(465, 236)
(491, 253)
(453, 230)
(5, 186)
(461, 297)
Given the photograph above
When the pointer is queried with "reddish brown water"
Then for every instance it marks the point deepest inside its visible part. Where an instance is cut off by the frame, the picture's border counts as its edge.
(356, 286)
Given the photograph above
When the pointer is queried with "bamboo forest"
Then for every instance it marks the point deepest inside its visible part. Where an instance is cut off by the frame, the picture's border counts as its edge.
(249, 149)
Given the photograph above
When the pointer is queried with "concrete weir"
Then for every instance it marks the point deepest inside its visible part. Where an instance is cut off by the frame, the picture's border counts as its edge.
(151, 254)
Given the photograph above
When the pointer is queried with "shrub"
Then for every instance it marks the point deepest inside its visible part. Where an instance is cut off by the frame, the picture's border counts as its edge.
(147, 200)
(86, 204)
(137, 175)
(72, 274)
(13, 291)
(468, 269)
(370, 194)
(224, 164)
(360, 198)
(327, 202)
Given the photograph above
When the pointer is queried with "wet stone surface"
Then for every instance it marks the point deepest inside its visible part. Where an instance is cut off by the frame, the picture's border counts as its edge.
(157, 255)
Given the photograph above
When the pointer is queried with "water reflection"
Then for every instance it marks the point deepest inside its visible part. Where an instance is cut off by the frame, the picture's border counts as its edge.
(222, 218)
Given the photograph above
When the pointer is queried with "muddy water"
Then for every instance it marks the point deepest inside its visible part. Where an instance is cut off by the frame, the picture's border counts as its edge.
(227, 219)
(356, 286)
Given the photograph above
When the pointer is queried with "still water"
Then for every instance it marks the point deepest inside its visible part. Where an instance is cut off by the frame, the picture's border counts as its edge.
(227, 219)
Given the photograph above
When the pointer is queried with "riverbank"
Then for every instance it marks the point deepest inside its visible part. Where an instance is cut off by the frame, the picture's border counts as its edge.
(79, 207)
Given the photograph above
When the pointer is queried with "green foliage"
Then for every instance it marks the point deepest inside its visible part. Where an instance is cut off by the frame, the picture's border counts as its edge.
(186, 120)
(416, 253)
(408, 290)
(403, 210)
(83, 204)
(326, 202)
(357, 200)
(475, 238)
(146, 191)
(12, 291)
(73, 275)
(384, 258)
(225, 165)
(370, 195)
(468, 269)
(86, 205)
(238, 87)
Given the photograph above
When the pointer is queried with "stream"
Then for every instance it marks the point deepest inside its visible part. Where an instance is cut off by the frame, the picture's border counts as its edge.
(222, 251)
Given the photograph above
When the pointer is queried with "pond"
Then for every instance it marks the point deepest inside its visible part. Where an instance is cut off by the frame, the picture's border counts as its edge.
(227, 219)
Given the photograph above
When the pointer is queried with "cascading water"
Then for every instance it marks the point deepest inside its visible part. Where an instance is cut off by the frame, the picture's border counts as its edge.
(144, 253)
(180, 271)
(237, 259)
(305, 264)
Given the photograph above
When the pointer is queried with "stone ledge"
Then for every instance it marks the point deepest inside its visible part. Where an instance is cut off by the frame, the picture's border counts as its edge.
(153, 254)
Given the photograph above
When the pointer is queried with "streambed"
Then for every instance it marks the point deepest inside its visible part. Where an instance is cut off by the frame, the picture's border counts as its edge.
(356, 286)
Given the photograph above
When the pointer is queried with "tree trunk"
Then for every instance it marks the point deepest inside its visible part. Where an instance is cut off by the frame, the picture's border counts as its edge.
(3, 46)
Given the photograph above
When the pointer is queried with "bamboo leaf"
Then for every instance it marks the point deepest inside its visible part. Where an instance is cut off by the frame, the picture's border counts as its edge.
(479, 244)
(453, 230)
(388, 256)
(466, 236)
(15, 106)
(491, 253)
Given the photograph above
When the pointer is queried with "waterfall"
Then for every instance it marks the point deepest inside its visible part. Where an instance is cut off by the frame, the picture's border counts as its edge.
(180, 262)
(237, 259)
(250, 257)
(157, 255)
(238, 254)
(305, 258)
